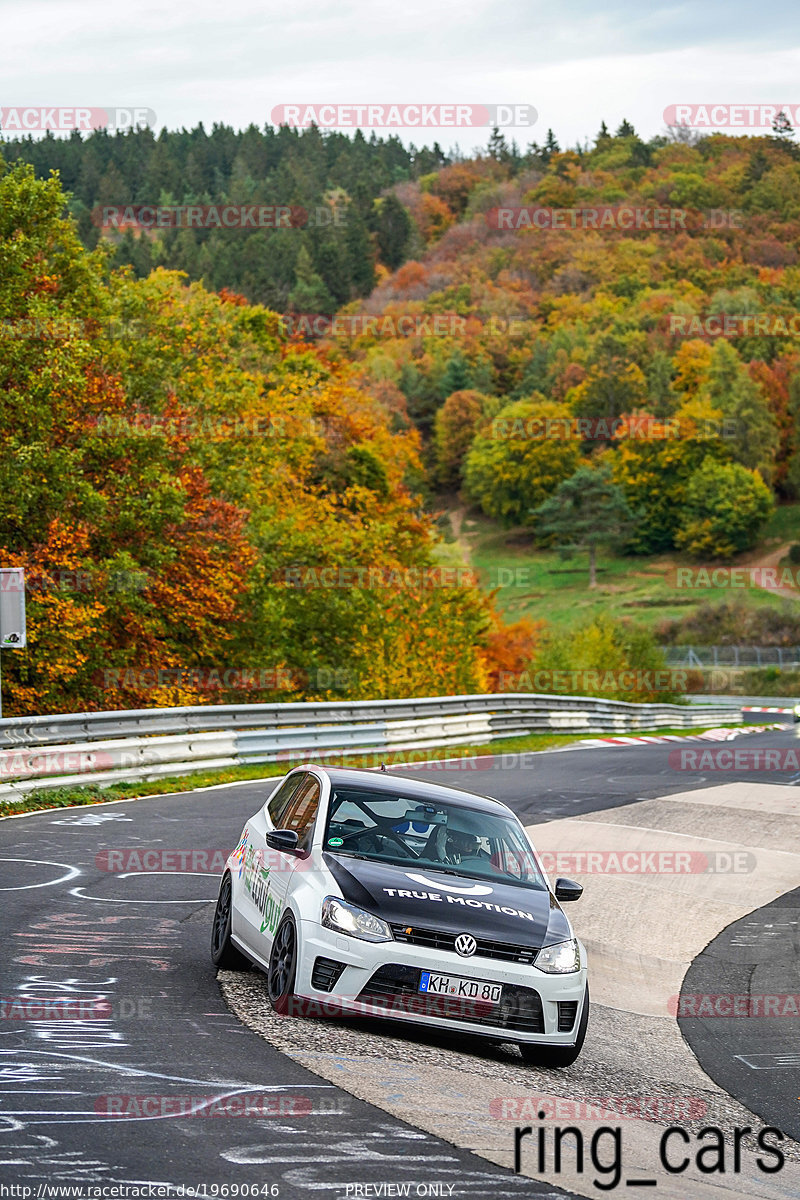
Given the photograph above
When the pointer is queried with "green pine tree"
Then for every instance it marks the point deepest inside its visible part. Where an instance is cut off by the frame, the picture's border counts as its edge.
(309, 294)
(585, 511)
(782, 127)
(393, 229)
(497, 147)
(550, 147)
(457, 375)
(360, 254)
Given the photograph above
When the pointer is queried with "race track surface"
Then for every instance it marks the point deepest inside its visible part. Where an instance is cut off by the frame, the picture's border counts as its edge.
(167, 1047)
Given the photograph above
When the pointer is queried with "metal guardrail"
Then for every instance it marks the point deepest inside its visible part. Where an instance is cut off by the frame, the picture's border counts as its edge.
(742, 702)
(140, 744)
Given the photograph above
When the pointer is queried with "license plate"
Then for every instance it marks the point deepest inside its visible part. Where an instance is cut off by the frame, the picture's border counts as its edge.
(467, 989)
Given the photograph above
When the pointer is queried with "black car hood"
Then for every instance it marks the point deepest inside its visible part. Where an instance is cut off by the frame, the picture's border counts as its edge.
(435, 899)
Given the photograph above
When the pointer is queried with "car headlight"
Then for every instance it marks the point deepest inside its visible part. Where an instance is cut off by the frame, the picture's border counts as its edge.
(559, 959)
(357, 922)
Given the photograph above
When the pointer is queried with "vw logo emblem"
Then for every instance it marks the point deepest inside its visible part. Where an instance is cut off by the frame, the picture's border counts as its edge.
(466, 945)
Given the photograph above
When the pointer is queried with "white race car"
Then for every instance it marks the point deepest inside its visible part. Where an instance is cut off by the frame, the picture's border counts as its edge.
(363, 892)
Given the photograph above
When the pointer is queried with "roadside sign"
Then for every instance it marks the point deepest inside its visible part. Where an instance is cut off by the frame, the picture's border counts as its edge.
(12, 608)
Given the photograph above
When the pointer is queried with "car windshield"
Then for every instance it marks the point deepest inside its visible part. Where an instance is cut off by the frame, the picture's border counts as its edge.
(454, 838)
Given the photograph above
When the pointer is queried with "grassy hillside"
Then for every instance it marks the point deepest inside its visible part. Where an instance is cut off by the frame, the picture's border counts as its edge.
(540, 585)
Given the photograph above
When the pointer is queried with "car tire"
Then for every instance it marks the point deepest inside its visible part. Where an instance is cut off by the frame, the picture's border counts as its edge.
(223, 952)
(283, 966)
(558, 1056)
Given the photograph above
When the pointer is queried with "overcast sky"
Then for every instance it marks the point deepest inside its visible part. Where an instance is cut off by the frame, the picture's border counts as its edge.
(577, 63)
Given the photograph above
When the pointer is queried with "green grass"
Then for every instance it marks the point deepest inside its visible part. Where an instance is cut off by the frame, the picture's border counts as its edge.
(540, 585)
(93, 794)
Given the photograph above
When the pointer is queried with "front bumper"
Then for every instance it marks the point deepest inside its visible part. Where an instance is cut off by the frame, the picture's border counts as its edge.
(381, 979)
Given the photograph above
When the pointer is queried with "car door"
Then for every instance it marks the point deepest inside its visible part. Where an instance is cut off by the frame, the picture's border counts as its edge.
(256, 860)
(300, 817)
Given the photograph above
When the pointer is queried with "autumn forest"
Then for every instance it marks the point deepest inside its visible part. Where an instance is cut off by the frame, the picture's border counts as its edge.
(230, 455)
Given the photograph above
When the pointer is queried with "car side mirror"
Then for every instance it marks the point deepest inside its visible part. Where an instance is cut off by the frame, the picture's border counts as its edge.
(282, 839)
(568, 889)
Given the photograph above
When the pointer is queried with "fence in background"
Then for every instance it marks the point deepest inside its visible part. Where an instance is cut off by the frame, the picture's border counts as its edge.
(784, 657)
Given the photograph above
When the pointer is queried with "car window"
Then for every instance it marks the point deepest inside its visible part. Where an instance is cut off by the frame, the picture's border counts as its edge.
(302, 812)
(279, 803)
(347, 817)
(404, 829)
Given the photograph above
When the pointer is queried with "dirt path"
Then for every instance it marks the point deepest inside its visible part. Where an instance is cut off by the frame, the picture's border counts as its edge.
(768, 562)
(457, 516)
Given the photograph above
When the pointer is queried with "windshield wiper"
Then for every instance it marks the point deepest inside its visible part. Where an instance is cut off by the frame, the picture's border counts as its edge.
(351, 854)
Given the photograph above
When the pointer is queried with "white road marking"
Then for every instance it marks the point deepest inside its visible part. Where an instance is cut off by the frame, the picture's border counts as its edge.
(80, 894)
(71, 873)
(91, 819)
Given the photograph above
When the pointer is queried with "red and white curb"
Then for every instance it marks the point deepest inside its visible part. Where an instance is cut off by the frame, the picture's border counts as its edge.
(761, 710)
(486, 761)
(710, 735)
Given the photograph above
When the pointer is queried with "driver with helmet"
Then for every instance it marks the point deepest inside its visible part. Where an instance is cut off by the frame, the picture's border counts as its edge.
(452, 846)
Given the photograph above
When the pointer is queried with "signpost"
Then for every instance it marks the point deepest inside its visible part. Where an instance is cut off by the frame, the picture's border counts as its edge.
(12, 612)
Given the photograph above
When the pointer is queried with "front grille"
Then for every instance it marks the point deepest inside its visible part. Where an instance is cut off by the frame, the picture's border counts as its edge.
(567, 1011)
(437, 939)
(397, 987)
(326, 974)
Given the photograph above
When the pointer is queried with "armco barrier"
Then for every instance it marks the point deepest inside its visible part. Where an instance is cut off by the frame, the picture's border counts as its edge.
(109, 747)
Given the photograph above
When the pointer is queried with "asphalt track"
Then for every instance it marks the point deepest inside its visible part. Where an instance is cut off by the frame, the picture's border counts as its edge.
(140, 942)
(757, 1060)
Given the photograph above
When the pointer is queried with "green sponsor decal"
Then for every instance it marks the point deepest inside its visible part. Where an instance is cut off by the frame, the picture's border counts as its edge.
(256, 881)
(271, 911)
(335, 841)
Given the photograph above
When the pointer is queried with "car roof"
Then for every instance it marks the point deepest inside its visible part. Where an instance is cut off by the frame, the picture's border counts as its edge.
(386, 781)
